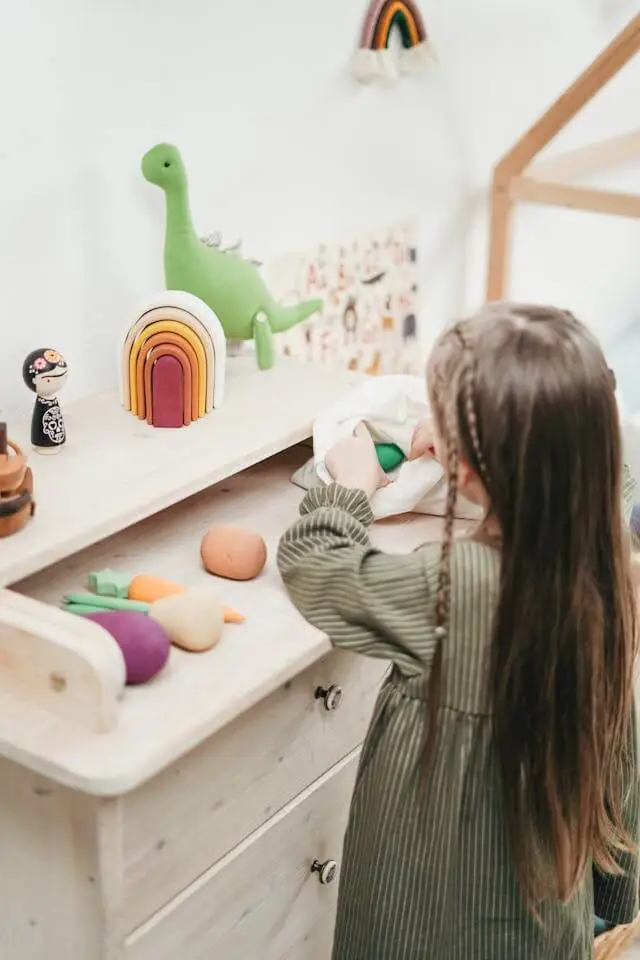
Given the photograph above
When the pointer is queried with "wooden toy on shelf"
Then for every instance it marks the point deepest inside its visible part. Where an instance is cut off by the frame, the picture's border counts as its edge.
(145, 644)
(150, 589)
(110, 583)
(85, 608)
(193, 619)
(16, 486)
(45, 372)
(233, 553)
(172, 361)
(137, 592)
(105, 603)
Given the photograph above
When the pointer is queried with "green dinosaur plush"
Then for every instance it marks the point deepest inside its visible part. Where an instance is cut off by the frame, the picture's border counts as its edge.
(231, 286)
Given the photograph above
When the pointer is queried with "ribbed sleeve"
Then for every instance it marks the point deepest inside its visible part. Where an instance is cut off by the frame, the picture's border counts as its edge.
(362, 599)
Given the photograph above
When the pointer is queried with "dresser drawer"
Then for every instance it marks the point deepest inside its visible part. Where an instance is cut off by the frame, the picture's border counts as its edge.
(315, 944)
(184, 820)
(262, 902)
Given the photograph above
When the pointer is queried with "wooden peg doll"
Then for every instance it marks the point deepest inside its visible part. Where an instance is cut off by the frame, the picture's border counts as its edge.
(16, 486)
(45, 372)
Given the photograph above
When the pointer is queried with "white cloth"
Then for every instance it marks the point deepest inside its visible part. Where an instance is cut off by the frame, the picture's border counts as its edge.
(390, 407)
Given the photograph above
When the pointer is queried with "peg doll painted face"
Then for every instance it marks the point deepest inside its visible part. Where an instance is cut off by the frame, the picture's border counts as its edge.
(45, 372)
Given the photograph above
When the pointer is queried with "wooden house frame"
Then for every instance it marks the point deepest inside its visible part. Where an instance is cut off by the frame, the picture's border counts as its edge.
(518, 179)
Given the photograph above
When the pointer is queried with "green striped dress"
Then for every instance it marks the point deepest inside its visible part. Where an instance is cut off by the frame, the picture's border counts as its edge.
(428, 875)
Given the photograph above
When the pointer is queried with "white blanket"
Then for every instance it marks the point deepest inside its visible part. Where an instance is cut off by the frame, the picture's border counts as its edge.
(391, 407)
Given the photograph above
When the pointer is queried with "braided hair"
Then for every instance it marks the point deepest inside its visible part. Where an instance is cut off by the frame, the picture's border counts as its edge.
(452, 395)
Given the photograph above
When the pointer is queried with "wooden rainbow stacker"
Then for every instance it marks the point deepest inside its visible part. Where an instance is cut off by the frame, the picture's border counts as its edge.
(172, 364)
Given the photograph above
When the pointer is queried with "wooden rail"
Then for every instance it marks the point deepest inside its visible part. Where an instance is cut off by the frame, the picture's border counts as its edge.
(544, 182)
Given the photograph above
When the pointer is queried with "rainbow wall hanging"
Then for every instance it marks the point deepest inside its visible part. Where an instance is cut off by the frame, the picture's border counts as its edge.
(374, 60)
(172, 361)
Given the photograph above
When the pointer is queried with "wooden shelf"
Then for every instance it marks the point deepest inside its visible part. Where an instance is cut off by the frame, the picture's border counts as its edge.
(115, 470)
(197, 694)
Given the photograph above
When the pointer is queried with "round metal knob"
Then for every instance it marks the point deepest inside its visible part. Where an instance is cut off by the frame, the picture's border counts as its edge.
(331, 695)
(326, 871)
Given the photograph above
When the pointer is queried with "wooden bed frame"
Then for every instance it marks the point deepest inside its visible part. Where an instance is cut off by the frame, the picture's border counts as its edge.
(516, 179)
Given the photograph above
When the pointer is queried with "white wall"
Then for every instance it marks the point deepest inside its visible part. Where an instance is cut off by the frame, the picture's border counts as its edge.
(283, 149)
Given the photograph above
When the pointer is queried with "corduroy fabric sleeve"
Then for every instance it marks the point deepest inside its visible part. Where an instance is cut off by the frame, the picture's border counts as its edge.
(373, 603)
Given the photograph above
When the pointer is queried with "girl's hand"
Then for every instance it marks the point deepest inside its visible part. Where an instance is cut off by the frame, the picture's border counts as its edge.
(422, 441)
(353, 463)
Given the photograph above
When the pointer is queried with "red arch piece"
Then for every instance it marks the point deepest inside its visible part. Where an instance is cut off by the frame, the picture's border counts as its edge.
(155, 341)
(168, 386)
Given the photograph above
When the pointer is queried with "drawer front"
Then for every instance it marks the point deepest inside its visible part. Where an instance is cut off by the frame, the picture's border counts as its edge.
(262, 902)
(183, 821)
(315, 944)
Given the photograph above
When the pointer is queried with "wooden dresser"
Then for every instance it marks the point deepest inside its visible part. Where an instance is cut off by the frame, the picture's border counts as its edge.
(200, 816)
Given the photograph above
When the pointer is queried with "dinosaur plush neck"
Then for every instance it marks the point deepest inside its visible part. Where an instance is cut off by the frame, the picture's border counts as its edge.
(178, 219)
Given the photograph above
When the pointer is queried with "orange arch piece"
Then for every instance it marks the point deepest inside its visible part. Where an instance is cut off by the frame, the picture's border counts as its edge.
(168, 350)
(155, 341)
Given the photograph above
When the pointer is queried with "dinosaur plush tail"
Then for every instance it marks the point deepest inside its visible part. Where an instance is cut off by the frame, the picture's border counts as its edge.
(283, 318)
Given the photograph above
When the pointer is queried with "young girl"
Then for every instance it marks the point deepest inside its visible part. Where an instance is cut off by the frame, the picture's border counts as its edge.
(497, 801)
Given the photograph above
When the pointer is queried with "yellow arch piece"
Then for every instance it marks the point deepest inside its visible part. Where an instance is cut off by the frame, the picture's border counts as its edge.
(170, 326)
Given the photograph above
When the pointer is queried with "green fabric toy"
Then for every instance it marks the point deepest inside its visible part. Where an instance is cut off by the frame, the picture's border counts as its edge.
(109, 583)
(390, 456)
(229, 285)
(104, 603)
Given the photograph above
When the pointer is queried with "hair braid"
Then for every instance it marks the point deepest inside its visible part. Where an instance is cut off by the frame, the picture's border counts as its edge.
(443, 589)
(443, 594)
(468, 375)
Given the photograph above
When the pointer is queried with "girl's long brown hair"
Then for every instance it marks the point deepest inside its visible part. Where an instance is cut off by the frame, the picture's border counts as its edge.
(523, 395)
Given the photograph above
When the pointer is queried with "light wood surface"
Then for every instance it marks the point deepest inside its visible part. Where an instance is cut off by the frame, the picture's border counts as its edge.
(262, 900)
(196, 695)
(180, 822)
(617, 944)
(500, 245)
(58, 664)
(619, 52)
(115, 470)
(49, 882)
(612, 59)
(531, 190)
(587, 160)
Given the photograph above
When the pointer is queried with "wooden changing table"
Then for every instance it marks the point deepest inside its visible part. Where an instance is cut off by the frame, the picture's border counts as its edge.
(200, 816)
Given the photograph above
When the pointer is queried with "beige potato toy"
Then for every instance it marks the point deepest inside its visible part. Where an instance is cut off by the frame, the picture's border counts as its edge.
(193, 619)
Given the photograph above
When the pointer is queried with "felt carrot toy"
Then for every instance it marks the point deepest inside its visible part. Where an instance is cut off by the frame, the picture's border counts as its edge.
(148, 588)
(143, 589)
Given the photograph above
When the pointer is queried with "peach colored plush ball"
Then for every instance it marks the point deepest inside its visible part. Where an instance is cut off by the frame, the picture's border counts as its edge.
(233, 553)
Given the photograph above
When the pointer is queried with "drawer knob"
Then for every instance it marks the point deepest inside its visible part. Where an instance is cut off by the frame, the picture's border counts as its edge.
(332, 696)
(326, 871)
